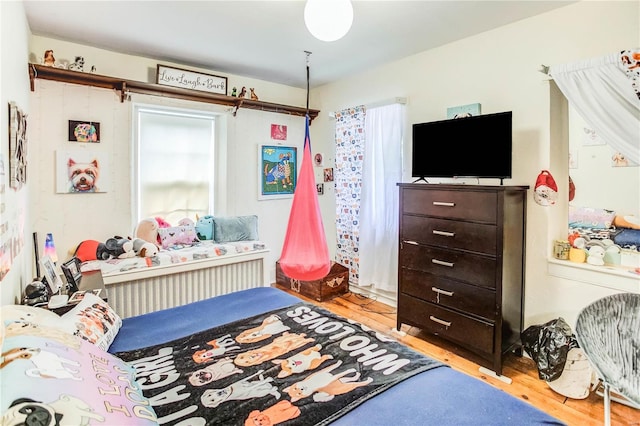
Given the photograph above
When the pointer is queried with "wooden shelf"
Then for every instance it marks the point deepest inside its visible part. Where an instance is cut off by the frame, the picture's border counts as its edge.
(130, 86)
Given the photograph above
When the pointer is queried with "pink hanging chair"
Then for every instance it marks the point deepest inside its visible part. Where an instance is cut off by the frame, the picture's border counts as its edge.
(305, 255)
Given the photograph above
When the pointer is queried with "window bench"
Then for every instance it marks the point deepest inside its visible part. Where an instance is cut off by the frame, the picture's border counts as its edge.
(176, 277)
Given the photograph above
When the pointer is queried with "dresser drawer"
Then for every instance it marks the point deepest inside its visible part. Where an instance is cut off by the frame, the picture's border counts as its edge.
(451, 325)
(467, 205)
(470, 268)
(452, 294)
(470, 236)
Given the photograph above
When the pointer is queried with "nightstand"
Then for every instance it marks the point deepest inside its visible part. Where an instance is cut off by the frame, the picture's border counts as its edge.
(91, 280)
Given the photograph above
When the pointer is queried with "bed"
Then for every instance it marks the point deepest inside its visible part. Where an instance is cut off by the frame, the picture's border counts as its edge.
(439, 395)
(376, 381)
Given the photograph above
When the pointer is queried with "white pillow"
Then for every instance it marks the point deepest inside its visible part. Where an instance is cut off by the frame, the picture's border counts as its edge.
(93, 320)
(25, 313)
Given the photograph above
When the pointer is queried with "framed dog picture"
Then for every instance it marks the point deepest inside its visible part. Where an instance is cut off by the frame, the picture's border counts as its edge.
(81, 171)
(71, 270)
(278, 171)
(84, 131)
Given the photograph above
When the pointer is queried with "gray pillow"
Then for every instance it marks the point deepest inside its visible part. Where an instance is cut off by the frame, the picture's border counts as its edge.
(235, 228)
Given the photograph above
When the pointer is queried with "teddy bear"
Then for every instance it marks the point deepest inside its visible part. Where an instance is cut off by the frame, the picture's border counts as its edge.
(144, 248)
(147, 230)
(204, 227)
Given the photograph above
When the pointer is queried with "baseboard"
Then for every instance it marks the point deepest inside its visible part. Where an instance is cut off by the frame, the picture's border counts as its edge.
(387, 299)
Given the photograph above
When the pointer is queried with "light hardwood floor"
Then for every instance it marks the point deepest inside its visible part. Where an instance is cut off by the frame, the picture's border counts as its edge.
(522, 370)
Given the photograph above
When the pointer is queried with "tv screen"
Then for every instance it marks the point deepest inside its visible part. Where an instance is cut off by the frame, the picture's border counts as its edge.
(477, 146)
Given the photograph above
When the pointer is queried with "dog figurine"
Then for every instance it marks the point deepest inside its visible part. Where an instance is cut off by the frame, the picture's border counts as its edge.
(78, 64)
(83, 176)
(253, 95)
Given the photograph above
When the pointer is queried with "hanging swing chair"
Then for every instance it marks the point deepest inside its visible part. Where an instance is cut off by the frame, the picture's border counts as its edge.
(305, 255)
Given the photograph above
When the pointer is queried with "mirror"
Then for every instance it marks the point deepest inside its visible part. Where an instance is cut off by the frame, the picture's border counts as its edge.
(606, 190)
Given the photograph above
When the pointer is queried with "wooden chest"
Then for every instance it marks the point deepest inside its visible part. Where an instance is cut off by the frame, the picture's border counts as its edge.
(335, 283)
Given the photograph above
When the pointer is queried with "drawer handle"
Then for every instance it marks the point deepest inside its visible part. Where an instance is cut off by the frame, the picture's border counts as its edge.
(440, 291)
(442, 203)
(444, 233)
(413, 243)
(439, 321)
(442, 262)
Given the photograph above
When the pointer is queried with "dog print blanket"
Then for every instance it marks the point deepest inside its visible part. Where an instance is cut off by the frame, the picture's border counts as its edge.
(300, 365)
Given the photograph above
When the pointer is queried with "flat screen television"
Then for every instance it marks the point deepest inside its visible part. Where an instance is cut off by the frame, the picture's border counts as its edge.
(476, 147)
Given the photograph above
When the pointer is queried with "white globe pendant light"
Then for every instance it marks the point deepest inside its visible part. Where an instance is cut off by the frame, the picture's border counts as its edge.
(328, 20)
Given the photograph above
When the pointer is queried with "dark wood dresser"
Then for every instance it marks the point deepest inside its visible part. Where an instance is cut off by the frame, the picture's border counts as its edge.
(461, 265)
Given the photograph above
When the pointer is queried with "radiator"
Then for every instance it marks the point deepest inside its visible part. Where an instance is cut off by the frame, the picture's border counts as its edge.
(130, 297)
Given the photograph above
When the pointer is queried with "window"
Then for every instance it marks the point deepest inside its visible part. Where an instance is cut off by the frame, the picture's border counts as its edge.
(174, 163)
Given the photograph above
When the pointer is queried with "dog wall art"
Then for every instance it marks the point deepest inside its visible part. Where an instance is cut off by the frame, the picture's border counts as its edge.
(81, 172)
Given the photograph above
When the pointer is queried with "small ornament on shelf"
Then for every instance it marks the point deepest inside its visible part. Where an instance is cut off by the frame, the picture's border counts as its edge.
(254, 97)
(234, 92)
(243, 92)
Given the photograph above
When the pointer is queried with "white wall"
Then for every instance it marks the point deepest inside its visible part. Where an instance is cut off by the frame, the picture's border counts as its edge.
(15, 227)
(499, 69)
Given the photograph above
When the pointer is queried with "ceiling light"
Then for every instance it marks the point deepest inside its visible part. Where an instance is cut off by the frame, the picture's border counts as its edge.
(328, 20)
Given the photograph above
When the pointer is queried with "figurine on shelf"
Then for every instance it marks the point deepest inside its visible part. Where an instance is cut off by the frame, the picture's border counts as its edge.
(254, 97)
(78, 64)
(234, 92)
(243, 92)
(49, 59)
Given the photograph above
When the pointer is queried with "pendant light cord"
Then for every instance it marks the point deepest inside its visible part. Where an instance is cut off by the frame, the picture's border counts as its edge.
(308, 54)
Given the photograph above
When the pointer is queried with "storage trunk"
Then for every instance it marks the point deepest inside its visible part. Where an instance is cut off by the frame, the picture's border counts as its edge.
(335, 283)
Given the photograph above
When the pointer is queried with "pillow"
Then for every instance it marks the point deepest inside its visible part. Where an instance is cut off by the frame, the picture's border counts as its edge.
(25, 313)
(632, 222)
(183, 235)
(235, 228)
(93, 320)
(56, 384)
(589, 217)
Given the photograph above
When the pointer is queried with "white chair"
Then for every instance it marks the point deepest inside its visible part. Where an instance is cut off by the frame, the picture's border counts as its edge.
(608, 330)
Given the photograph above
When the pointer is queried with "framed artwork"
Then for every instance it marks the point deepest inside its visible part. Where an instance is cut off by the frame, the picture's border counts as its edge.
(328, 174)
(81, 171)
(84, 131)
(463, 111)
(320, 188)
(318, 159)
(71, 271)
(49, 270)
(277, 175)
(17, 146)
(618, 159)
(279, 132)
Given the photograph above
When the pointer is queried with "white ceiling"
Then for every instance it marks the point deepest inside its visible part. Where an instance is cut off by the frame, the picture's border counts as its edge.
(267, 39)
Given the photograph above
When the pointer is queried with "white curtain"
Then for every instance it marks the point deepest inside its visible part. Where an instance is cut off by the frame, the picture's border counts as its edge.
(604, 92)
(382, 170)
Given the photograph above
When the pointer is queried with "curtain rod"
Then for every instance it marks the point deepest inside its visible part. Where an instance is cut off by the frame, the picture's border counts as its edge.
(385, 102)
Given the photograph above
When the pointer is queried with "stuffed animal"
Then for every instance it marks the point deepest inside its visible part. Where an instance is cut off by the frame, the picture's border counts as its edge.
(120, 248)
(204, 227)
(147, 230)
(144, 248)
(91, 250)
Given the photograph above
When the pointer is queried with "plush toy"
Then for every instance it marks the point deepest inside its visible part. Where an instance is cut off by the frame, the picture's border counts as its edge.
(144, 248)
(204, 227)
(546, 190)
(147, 230)
(120, 248)
(91, 250)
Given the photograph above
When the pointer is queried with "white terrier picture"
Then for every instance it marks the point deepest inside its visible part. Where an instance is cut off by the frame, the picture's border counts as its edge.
(83, 177)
